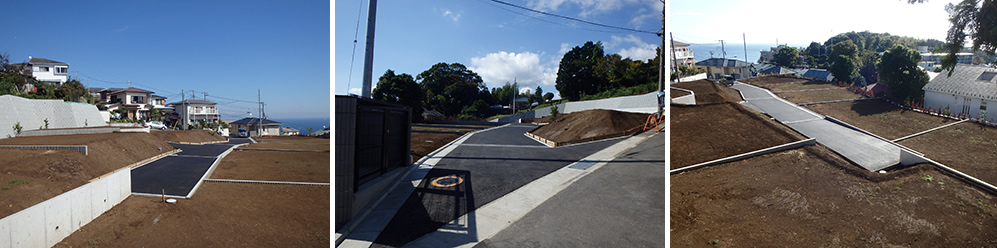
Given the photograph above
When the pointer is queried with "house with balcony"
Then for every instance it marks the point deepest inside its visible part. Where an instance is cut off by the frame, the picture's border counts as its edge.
(682, 54)
(45, 70)
(718, 67)
(193, 111)
(135, 101)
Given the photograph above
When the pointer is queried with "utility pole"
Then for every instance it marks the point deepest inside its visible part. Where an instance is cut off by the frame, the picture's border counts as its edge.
(259, 122)
(723, 51)
(745, 40)
(368, 61)
(186, 112)
(205, 95)
(661, 56)
(674, 58)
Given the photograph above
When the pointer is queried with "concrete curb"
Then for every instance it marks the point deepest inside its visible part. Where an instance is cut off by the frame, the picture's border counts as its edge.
(842, 123)
(778, 148)
(211, 169)
(684, 100)
(929, 130)
(279, 150)
(837, 101)
(199, 143)
(265, 182)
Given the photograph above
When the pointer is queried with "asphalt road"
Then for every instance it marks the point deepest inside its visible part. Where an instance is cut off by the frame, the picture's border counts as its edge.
(179, 173)
(622, 204)
(489, 165)
(865, 150)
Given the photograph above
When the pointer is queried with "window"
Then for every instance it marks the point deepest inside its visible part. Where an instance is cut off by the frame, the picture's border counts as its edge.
(983, 105)
(61, 69)
(138, 99)
(43, 68)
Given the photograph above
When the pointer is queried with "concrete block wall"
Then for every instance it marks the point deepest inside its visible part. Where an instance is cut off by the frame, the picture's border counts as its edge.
(32, 114)
(646, 103)
(47, 223)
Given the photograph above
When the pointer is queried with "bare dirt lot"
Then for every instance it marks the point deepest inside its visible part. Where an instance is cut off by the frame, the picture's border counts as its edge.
(28, 177)
(275, 166)
(708, 92)
(765, 82)
(591, 125)
(812, 96)
(220, 215)
(880, 117)
(191, 136)
(425, 143)
(708, 132)
(802, 85)
(291, 143)
(810, 197)
(967, 147)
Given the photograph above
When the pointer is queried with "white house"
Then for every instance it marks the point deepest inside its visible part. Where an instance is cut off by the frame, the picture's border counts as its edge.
(135, 100)
(717, 67)
(969, 90)
(931, 60)
(768, 56)
(193, 111)
(45, 70)
(683, 56)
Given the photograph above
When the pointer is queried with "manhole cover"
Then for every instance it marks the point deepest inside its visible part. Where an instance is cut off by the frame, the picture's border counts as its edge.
(447, 181)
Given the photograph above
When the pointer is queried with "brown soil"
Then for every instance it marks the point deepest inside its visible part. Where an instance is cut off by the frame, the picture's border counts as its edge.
(880, 117)
(804, 85)
(708, 92)
(220, 215)
(591, 125)
(677, 93)
(292, 143)
(32, 176)
(967, 147)
(765, 81)
(812, 197)
(708, 132)
(425, 143)
(275, 166)
(192, 136)
(833, 94)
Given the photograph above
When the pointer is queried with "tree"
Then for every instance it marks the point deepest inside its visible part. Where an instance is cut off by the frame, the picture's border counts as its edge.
(400, 89)
(451, 87)
(549, 96)
(503, 95)
(576, 73)
(980, 18)
(73, 91)
(842, 69)
(538, 96)
(868, 68)
(786, 57)
(898, 70)
(846, 48)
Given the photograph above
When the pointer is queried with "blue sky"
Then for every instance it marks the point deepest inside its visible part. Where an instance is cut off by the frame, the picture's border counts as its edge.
(498, 42)
(800, 22)
(227, 49)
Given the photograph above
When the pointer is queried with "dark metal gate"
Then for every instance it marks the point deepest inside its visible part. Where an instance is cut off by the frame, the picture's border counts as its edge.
(382, 141)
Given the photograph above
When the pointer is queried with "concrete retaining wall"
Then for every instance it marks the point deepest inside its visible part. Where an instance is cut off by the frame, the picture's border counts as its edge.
(47, 223)
(79, 148)
(646, 103)
(46, 132)
(33, 113)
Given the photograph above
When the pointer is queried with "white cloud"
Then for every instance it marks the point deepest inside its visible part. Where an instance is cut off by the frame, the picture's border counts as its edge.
(565, 47)
(451, 15)
(498, 68)
(355, 91)
(639, 50)
(526, 90)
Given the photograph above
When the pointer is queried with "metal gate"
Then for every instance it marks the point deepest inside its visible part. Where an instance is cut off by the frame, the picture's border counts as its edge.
(382, 141)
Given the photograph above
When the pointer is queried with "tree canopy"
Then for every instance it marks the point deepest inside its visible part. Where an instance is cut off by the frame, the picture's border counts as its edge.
(786, 57)
(898, 70)
(450, 87)
(843, 69)
(400, 89)
(576, 73)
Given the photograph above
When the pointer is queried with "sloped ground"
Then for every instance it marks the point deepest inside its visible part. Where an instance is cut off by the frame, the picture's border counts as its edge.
(591, 125)
(708, 92)
(28, 177)
(706, 132)
(191, 136)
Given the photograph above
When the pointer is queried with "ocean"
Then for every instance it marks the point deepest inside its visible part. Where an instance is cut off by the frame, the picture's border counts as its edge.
(701, 51)
(303, 124)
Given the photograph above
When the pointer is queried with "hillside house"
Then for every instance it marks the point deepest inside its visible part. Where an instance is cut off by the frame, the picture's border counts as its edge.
(968, 91)
(45, 70)
(136, 101)
(193, 111)
(717, 67)
(931, 60)
(683, 55)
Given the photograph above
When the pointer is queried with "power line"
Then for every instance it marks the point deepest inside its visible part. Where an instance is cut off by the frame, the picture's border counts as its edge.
(575, 19)
(353, 57)
(551, 22)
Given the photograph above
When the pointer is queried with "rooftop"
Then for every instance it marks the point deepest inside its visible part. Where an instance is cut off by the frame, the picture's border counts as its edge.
(35, 61)
(966, 80)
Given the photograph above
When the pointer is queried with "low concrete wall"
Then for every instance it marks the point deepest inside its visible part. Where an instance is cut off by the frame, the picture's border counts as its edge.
(778, 148)
(46, 132)
(646, 103)
(689, 99)
(47, 223)
(79, 148)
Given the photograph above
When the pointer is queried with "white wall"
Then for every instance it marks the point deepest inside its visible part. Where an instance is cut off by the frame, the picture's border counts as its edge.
(955, 103)
(32, 114)
(47, 223)
(49, 75)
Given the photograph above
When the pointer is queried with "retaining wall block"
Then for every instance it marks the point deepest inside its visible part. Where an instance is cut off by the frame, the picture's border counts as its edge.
(58, 219)
(98, 197)
(81, 211)
(5, 240)
(27, 228)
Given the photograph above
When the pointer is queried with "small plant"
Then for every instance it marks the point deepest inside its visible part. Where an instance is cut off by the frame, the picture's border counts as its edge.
(86, 123)
(928, 178)
(716, 241)
(553, 112)
(806, 168)
(5, 188)
(18, 127)
(898, 188)
(46, 123)
(19, 182)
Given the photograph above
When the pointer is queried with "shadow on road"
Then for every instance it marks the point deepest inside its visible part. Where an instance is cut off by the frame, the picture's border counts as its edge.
(438, 202)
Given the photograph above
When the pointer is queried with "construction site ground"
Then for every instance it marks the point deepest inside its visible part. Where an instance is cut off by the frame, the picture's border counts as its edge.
(223, 214)
(590, 125)
(732, 128)
(813, 197)
(29, 177)
(708, 92)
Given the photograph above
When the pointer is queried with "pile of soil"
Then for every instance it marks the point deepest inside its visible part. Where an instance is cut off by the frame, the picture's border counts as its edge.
(191, 136)
(28, 177)
(591, 125)
(708, 92)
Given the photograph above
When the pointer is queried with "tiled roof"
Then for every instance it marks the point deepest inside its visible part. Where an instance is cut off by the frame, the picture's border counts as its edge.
(966, 80)
(35, 61)
(132, 89)
(719, 62)
(816, 73)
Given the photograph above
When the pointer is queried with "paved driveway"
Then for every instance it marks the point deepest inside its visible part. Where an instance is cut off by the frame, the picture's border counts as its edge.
(865, 150)
(178, 174)
(490, 164)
